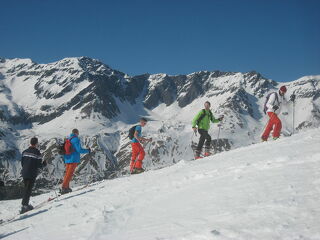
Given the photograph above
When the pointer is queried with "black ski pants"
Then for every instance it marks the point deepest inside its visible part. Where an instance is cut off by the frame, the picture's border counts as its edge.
(28, 185)
(204, 136)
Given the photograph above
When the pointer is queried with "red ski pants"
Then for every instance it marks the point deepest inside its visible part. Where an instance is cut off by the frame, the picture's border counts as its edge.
(275, 124)
(70, 167)
(137, 152)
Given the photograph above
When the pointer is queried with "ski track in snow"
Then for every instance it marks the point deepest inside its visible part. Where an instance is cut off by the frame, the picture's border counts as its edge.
(263, 191)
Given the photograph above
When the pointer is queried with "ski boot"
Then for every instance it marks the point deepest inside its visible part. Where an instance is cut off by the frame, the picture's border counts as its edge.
(26, 208)
(65, 190)
(197, 155)
(137, 171)
(207, 154)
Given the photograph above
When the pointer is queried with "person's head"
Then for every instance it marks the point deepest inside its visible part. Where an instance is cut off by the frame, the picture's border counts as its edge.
(143, 121)
(34, 142)
(207, 105)
(75, 132)
(282, 90)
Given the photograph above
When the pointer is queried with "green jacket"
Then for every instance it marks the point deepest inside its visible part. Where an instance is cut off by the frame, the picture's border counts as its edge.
(205, 121)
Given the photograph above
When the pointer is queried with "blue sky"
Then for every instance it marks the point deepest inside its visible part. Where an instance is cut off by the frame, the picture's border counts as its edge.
(279, 38)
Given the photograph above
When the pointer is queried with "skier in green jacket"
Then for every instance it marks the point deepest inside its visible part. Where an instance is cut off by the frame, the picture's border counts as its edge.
(202, 120)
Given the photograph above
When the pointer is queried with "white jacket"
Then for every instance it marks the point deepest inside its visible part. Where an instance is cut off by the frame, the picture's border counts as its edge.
(274, 101)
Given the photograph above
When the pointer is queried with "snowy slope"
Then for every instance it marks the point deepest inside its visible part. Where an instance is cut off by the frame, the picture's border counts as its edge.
(263, 191)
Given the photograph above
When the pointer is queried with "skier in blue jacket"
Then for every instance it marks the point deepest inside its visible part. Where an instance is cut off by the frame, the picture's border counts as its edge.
(72, 160)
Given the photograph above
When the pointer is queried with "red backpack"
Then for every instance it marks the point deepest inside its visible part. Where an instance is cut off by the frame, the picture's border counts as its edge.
(66, 148)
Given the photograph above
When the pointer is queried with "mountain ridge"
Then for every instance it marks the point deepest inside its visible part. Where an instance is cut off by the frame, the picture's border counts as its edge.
(48, 100)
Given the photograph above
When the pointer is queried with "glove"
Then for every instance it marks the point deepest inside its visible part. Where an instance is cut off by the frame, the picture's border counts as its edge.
(44, 163)
(293, 97)
(275, 107)
(150, 140)
(220, 118)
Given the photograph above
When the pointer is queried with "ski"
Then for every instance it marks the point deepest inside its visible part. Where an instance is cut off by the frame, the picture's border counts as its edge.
(40, 205)
(19, 215)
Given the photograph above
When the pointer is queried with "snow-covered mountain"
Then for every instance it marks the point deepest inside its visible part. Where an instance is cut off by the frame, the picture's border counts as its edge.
(266, 191)
(49, 100)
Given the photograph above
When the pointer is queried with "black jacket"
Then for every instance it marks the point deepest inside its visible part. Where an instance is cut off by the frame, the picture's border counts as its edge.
(31, 161)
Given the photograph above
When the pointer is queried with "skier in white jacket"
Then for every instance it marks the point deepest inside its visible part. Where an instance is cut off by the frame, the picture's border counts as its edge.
(272, 108)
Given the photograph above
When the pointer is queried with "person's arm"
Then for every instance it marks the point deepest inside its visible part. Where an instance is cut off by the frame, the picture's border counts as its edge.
(284, 100)
(271, 101)
(76, 144)
(43, 162)
(216, 120)
(22, 159)
(141, 139)
(292, 97)
(40, 161)
(195, 119)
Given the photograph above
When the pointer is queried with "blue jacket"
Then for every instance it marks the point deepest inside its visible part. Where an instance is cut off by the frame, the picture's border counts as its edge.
(75, 156)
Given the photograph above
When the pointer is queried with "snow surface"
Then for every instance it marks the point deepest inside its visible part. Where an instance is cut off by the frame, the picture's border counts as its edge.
(264, 191)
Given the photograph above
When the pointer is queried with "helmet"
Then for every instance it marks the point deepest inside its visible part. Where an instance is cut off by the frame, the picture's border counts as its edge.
(283, 89)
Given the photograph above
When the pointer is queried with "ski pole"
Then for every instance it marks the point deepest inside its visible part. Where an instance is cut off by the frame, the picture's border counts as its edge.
(219, 125)
(192, 137)
(292, 117)
(218, 137)
(55, 186)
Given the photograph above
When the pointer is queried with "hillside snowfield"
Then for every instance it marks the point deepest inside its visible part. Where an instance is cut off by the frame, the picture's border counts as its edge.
(263, 191)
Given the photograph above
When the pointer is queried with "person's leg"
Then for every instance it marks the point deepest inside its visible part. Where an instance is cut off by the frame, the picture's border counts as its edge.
(277, 127)
(65, 183)
(201, 140)
(269, 126)
(207, 144)
(135, 153)
(70, 168)
(28, 185)
(140, 157)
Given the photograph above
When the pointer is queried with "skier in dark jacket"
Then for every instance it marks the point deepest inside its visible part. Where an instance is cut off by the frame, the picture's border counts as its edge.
(31, 161)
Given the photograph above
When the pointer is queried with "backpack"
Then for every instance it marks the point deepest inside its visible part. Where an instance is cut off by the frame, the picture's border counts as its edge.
(66, 148)
(131, 132)
(265, 108)
(203, 115)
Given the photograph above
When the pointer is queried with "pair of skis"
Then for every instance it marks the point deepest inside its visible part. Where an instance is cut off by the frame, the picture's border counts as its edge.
(38, 206)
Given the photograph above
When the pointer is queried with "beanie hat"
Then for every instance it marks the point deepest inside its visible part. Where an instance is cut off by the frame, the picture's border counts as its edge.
(283, 89)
